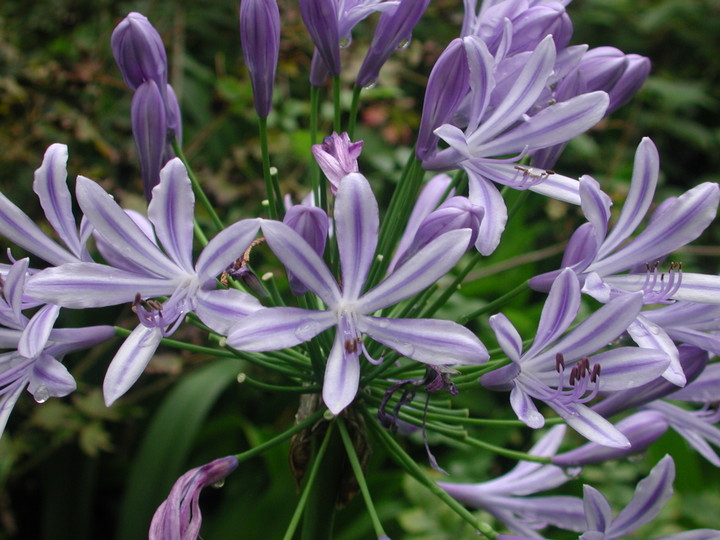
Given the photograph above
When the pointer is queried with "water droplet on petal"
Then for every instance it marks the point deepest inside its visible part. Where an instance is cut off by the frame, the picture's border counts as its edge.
(307, 331)
(654, 329)
(345, 42)
(637, 331)
(41, 394)
(219, 483)
(404, 44)
(406, 349)
(370, 85)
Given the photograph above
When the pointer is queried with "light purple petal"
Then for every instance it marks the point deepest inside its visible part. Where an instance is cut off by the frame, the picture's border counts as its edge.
(65, 340)
(356, 225)
(49, 378)
(111, 254)
(595, 332)
(701, 288)
(484, 194)
(82, 285)
(482, 82)
(704, 389)
(597, 509)
(559, 311)
(432, 341)
(220, 309)
(8, 400)
(227, 246)
(682, 222)
(590, 424)
(276, 328)
(50, 185)
(297, 255)
(342, 377)
(417, 273)
(629, 367)
(171, 212)
(648, 334)
(642, 189)
(15, 285)
(525, 409)
(555, 124)
(36, 333)
(595, 206)
(507, 336)
(650, 496)
(130, 361)
(120, 230)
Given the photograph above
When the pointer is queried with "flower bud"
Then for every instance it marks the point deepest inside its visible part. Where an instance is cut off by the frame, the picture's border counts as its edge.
(149, 126)
(337, 157)
(139, 52)
(321, 20)
(260, 38)
(393, 29)
(312, 224)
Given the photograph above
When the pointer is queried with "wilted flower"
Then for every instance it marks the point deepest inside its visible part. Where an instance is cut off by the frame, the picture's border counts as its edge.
(337, 157)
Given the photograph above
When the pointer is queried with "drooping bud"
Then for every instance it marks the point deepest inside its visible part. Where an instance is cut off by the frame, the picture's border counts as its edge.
(455, 213)
(312, 224)
(260, 38)
(149, 126)
(337, 156)
(441, 98)
(641, 429)
(139, 52)
(321, 20)
(179, 515)
(393, 30)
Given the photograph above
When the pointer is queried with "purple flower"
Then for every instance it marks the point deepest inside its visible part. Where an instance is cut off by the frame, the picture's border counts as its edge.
(149, 272)
(506, 498)
(179, 517)
(393, 30)
(533, 374)
(320, 18)
(50, 185)
(35, 347)
(337, 157)
(312, 224)
(432, 341)
(139, 52)
(260, 37)
(149, 125)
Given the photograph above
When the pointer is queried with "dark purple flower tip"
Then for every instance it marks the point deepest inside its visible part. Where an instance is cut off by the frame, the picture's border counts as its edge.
(173, 117)
(312, 224)
(321, 20)
(442, 100)
(337, 156)
(149, 125)
(641, 429)
(179, 517)
(139, 51)
(260, 38)
(393, 30)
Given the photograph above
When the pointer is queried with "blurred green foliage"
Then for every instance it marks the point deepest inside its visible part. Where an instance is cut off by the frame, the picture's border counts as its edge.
(64, 466)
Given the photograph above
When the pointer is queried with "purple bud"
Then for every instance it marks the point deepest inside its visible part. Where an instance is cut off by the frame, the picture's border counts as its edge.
(139, 52)
(260, 38)
(318, 70)
(179, 515)
(321, 19)
(149, 125)
(442, 100)
(393, 30)
(641, 429)
(312, 224)
(455, 213)
(337, 156)
(620, 75)
(174, 117)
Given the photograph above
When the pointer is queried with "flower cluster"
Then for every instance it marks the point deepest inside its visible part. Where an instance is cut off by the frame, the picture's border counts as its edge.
(362, 315)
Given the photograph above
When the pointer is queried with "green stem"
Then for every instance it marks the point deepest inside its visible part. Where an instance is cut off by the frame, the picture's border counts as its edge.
(495, 304)
(197, 188)
(360, 477)
(453, 287)
(243, 378)
(272, 188)
(354, 111)
(295, 520)
(337, 126)
(409, 464)
(315, 176)
(259, 449)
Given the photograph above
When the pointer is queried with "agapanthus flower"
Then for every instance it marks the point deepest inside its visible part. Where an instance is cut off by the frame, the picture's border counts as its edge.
(542, 371)
(260, 38)
(151, 272)
(337, 157)
(179, 517)
(35, 347)
(312, 224)
(435, 342)
(320, 18)
(506, 497)
(50, 185)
